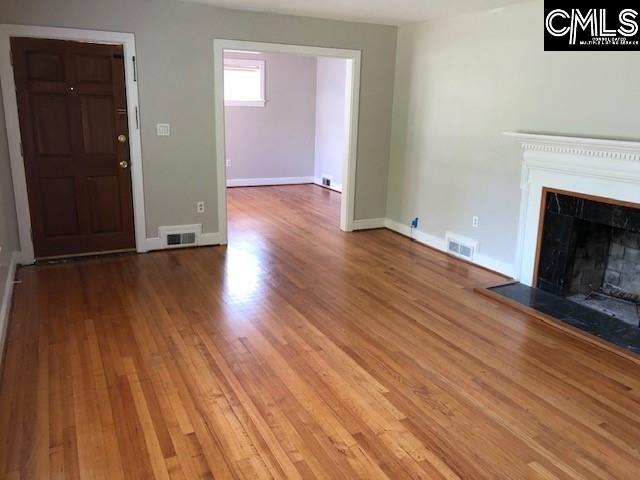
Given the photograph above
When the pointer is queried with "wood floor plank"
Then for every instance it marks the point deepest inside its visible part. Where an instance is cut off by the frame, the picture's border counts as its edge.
(301, 352)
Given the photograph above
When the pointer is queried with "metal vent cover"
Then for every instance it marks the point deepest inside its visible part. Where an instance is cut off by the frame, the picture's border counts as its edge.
(181, 238)
(460, 246)
(180, 235)
(454, 247)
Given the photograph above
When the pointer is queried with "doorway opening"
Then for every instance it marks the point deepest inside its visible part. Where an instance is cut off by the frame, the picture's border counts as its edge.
(286, 115)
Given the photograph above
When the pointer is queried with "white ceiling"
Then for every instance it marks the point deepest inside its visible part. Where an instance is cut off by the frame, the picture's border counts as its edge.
(391, 12)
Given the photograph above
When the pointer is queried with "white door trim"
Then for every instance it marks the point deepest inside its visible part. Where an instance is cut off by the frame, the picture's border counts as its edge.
(353, 98)
(127, 40)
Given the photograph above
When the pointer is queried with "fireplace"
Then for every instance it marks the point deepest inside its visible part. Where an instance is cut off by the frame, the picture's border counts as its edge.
(589, 253)
(577, 258)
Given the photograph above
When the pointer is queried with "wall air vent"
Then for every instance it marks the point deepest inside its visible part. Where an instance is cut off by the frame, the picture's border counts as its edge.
(326, 180)
(460, 246)
(181, 238)
(180, 235)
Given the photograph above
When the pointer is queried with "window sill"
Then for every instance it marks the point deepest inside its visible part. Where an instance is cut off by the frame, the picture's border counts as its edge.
(244, 103)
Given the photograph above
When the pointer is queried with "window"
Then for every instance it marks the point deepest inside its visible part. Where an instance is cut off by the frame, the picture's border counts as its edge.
(243, 82)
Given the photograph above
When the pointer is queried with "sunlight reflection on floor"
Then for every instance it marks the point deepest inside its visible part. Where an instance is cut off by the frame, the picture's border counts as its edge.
(243, 274)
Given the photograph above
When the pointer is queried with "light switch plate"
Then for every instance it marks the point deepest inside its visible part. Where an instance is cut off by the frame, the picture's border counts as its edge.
(163, 129)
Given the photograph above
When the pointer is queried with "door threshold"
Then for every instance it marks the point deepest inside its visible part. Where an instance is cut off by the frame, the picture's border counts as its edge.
(82, 256)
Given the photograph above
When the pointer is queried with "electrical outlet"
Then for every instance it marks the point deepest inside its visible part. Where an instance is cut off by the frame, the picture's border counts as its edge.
(200, 207)
(475, 222)
(228, 162)
(414, 222)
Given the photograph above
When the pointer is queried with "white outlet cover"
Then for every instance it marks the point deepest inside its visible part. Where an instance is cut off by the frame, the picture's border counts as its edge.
(163, 129)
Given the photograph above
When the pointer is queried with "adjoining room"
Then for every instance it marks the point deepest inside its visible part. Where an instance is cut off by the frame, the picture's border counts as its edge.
(287, 122)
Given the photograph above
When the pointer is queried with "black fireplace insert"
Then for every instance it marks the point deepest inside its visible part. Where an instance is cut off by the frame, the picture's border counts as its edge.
(588, 267)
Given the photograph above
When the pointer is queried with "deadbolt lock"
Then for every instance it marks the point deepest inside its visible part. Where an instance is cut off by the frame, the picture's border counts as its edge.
(122, 138)
(124, 164)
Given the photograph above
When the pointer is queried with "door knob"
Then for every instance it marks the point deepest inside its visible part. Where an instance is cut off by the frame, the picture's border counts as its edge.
(122, 138)
(124, 164)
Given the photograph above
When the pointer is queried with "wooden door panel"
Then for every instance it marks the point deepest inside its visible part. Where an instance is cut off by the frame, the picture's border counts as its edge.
(52, 166)
(103, 210)
(59, 206)
(45, 66)
(93, 69)
(51, 124)
(98, 126)
(72, 108)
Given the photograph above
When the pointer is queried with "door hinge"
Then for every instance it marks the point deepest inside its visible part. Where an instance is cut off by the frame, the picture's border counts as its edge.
(11, 56)
(135, 69)
(137, 119)
(21, 150)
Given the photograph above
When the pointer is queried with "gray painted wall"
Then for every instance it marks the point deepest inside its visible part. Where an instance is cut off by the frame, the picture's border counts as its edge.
(460, 82)
(276, 140)
(8, 225)
(175, 59)
(331, 140)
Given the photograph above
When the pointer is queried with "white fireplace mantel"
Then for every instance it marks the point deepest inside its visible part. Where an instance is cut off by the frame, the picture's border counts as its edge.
(589, 166)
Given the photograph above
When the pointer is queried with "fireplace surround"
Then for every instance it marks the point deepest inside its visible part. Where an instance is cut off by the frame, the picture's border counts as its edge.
(577, 237)
(606, 169)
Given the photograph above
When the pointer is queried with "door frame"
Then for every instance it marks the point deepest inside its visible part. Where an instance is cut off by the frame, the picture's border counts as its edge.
(347, 204)
(14, 139)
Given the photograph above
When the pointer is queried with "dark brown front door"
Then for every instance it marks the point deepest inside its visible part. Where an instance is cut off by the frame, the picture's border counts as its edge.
(73, 121)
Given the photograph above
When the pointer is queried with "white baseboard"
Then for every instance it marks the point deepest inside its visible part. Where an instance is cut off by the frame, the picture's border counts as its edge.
(433, 241)
(154, 243)
(5, 306)
(337, 187)
(439, 243)
(257, 182)
(25, 260)
(369, 223)
(496, 265)
(207, 239)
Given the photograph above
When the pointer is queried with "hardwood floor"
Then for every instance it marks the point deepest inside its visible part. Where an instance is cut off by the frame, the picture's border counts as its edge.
(300, 351)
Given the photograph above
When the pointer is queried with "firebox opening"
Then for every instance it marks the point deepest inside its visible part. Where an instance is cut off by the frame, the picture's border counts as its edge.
(590, 254)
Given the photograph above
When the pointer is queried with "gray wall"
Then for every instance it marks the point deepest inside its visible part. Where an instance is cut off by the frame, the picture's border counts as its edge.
(331, 140)
(8, 225)
(460, 82)
(175, 59)
(276, 140)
